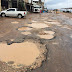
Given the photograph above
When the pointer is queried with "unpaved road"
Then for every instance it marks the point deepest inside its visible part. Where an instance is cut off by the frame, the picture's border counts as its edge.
(59, 55)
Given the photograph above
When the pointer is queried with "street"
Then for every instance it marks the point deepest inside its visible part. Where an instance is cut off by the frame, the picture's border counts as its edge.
(49, 29)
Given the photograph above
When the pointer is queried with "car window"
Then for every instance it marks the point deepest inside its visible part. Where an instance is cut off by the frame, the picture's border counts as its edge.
(11, 10)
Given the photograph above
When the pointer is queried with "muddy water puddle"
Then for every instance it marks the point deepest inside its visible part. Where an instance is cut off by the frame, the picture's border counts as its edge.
(46, 34)
(25, 54)
(39, 25)
(24, 28)
(22, 53)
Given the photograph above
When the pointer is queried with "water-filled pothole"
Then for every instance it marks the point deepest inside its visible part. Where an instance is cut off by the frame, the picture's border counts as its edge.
(46, 34)
(27, 54)
(25, 28)
(39, 25)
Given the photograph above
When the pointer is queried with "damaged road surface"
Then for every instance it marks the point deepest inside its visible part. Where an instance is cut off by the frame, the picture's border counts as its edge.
(37, 43)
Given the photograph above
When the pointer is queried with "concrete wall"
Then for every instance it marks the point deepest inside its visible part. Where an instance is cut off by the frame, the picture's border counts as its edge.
(0, 5)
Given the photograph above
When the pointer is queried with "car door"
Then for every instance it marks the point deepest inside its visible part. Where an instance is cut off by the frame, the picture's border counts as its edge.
(10, 12)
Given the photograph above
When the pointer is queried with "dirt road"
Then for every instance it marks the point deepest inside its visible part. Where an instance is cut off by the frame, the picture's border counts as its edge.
(59, 55)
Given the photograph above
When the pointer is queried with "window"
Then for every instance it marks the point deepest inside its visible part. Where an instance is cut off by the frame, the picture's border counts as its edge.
(11, 10)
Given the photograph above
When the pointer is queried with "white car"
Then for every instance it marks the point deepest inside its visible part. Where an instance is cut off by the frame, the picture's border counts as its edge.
(37, 8)
(71, 10)
(63, 10)
(13, 12)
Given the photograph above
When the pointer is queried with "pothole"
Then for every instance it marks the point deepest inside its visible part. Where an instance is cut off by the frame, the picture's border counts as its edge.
(28, 54)
(25, 28)
(46, 34)
(39, 25)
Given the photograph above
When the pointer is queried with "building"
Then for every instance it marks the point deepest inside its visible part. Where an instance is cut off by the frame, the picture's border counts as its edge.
(28, 4)
(31, 3)
(0, 5)
(10, 3)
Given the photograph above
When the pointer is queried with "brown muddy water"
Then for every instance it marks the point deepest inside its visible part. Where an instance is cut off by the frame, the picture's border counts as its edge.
(20, 53)
(24, 28)
(39, 25)
(46, 34)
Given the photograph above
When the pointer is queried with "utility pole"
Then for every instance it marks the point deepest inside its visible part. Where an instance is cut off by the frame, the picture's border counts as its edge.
(0, 5)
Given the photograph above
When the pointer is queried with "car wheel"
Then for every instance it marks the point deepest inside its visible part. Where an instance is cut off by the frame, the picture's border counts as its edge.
(19, 16)
(3, 14)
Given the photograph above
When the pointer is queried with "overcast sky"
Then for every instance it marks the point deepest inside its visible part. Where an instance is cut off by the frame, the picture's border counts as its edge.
(58, 3)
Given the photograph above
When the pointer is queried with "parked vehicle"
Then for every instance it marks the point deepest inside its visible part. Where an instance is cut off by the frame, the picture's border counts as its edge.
(63, 10)
(13, 12)
(68, 10)
(71, 10)
(37, 8)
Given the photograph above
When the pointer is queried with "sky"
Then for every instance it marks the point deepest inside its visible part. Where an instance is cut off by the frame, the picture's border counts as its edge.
(57, 4)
